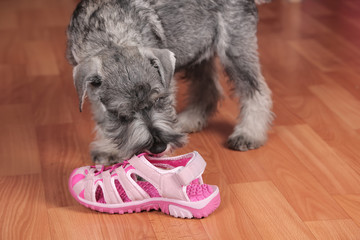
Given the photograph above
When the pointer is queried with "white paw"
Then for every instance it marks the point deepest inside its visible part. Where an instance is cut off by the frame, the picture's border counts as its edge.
(191, 121)
(103, 158)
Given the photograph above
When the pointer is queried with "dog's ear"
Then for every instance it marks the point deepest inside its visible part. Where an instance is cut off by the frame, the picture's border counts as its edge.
(86, 72)
(163, 60)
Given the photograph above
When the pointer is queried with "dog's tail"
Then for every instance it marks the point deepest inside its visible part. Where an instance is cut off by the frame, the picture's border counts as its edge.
(262, 1)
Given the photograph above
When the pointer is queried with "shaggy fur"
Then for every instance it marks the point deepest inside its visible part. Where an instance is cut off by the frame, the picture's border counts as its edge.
(123, 53)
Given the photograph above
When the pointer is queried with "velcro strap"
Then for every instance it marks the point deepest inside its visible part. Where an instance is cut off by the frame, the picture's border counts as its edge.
(192, 170)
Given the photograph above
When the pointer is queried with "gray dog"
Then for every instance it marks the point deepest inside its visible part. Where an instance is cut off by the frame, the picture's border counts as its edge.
(125, 52)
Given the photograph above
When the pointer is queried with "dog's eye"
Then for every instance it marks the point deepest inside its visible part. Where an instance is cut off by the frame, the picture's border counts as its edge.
(122, 118)
(113, 113)
(125, 119)
(95, 81)
(159, 101)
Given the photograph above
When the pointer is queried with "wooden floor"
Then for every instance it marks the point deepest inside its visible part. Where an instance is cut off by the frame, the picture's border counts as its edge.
(303, 184)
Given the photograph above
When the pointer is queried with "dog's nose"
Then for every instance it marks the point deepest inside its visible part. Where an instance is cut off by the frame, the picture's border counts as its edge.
(158, 147)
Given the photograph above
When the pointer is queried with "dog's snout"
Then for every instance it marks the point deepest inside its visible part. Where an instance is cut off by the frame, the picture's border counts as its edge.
(158, 147)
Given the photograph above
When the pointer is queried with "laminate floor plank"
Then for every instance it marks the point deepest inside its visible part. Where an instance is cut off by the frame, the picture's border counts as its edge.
(23, 208)
(342, 229)
(270, 212)
(333, 173)
(351, 204)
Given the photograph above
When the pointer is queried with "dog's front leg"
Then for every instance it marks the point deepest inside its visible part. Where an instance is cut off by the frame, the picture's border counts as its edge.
(254, 119)
(238, 53)
(203, 95)
(103, 151)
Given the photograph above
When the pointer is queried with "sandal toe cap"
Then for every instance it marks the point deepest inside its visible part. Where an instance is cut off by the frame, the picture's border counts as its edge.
(77, 179)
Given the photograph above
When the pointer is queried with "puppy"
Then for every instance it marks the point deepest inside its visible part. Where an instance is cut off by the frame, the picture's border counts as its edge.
(125, 52)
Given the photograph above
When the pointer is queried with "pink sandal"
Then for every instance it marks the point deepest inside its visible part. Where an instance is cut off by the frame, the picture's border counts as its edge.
(174, 185)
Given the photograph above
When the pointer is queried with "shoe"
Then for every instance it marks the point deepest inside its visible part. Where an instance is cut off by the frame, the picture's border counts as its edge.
(172, 184)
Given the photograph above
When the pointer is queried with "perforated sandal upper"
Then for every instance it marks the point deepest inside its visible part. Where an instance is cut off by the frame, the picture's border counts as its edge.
(173, 177)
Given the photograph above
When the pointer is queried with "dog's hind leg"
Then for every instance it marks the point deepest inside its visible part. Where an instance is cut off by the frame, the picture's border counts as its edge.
(203, 95)
(238, 52)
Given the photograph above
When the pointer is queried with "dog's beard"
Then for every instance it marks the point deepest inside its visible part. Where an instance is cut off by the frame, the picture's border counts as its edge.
(135, 138)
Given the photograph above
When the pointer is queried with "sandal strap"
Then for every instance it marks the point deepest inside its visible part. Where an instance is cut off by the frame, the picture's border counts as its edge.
(167, 185)
(147, 170)
(88, 192)
(132, 192)
(170, 184)
(193, 170)
(110, 193)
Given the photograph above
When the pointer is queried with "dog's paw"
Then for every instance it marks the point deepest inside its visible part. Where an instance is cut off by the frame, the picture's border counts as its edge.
(191, 121)
(104, 158)
(242, 143)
